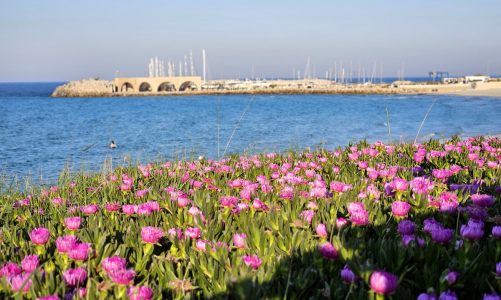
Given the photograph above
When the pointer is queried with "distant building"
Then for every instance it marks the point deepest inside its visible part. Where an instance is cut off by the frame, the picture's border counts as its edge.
(476, 78)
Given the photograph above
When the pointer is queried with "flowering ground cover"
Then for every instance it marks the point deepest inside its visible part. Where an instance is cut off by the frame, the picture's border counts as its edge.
(368, 221)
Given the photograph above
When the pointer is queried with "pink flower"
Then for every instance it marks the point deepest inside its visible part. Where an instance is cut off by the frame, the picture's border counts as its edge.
(20, 283)
(75, 277)
(139, 293)
(40, 236)
(193, 232)
(400, 208)
(49, 297)
(448, 202)
(340, 187)
(89, 209)
(308, 215)
(228, 201)
(421, 185)
(259, 205)
(129, 209)
(340, 222)
(321, 230)
(79, 251)
(122, 276)
(239, 240)
(327, 250)
(252, 260)
(72, 223)
(57, 201)
(358, 214)
(383, 283)
(398, 184)
(151, 234)
(113, 263)
(30, 263)
(10, 269)
(112, 207)
(201, 244)
(66, 243)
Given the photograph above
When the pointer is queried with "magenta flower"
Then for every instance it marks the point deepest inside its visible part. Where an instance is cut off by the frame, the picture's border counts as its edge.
(20, 283)
(122, 276)
(448, 295)
(252, 260)
(151, 235)
(359, 216)
(30, 263)
(112, 207)
(40, 236)
(340, 187)
(72, 223)
(421, 185)
(193, 232)
(400, 208)
(327, 250)
(89, 209)
(66, 243)
(321, 230)
(139, 293)
(228, 201)
(75, 277)
(201, 244)
(347, 275)
(113, 263)
(129, 209)
(10, 269)
(239, 240)
(79, 252)
(448, 202)
(427, 296)
(340, 222)
(399, 184)
(259, 205)
(441, 235)
(483, 200)
(383, 283)
(308, 215)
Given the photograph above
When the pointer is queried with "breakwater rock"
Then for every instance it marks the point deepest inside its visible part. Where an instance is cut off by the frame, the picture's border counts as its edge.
(85, 88)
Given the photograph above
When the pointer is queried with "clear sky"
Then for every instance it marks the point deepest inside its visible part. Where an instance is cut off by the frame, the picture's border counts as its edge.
(54, 40)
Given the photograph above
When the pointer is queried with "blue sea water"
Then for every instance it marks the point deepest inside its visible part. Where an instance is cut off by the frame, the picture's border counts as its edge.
(40, 135)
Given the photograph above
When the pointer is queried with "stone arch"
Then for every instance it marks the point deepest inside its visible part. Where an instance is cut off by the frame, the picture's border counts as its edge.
(145, 87)
(188, 85)
(127, 87)
(166, 87)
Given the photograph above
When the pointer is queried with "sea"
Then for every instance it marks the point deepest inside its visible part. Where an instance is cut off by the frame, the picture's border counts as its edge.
(40, 136)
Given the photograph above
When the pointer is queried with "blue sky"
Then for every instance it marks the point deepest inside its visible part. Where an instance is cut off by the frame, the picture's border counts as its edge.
(54, 40)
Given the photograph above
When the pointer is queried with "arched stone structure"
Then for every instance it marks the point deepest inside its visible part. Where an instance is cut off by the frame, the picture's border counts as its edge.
(145, 87)
(157, 84)
(188, 85)
(166, 87)
(127, 87)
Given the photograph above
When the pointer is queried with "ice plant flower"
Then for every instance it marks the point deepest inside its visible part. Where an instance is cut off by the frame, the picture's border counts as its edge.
(400, 208)
(80, 251)
(140, 293)
(327, 250)
(451, 277)
(473, 231)
(448, 295)
(358, 214)
(321, 230)
(30, 263)
(193, 232)
(496, 231)
(483, 200)
(383, 283)
(347, 275)
(151, 235)
(122, 276)
(10, 269)
(421, 185)
(89, 209)
(40, 236)
(427, 296)
(113, 263)
(252, 261)
(239, 240)
(406, 227)
(75, 277)
(72, 223)
(66, 243)
(20, 283)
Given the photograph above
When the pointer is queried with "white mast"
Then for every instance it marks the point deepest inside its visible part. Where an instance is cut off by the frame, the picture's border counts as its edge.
(185, 66)
(192, 70)
(180, 69)
(203, 62)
